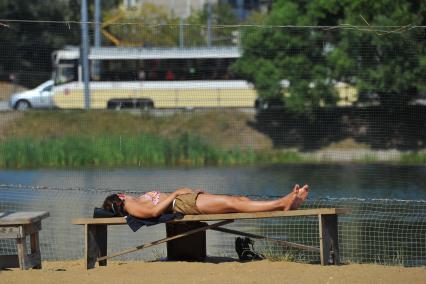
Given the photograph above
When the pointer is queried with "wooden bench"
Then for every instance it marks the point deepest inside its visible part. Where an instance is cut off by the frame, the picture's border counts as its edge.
(19, 225)
(186, 237)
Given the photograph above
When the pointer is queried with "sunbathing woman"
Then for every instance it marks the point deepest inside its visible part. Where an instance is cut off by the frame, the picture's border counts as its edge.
(188, 201)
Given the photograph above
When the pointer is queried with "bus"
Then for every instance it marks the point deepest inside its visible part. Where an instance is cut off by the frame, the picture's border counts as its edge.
(123, 77)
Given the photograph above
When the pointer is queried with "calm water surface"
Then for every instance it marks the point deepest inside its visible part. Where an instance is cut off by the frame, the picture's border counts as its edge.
(340, 181)
(380, 231)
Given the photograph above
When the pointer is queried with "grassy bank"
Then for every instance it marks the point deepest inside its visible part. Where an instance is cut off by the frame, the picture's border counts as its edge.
(120, 139)
(224, 129)
(129, 151)
(413, 158)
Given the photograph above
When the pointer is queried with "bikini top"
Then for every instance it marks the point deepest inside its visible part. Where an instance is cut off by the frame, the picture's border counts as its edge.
(153, 196)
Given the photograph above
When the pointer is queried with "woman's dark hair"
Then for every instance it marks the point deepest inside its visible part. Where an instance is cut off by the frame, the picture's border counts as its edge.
(114, 205)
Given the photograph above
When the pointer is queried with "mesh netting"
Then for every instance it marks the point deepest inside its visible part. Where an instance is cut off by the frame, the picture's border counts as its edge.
(377, 231)
(335, 94)
(207, 99)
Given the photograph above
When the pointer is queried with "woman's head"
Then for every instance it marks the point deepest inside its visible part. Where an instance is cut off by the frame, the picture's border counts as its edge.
(114, 204)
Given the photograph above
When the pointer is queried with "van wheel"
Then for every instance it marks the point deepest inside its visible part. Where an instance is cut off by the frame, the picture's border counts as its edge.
(22, 105)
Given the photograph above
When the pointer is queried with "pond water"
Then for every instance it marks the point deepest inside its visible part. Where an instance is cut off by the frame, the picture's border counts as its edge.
(336, 181)
(387, 224)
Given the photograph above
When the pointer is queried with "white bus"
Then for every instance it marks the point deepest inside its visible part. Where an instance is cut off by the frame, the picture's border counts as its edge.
(151, 77)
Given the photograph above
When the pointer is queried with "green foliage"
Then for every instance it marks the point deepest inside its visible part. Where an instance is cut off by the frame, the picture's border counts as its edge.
(388, 61)
(221, 14)
(27, 46)
(416, 158)
(129, 151)
(113, 139)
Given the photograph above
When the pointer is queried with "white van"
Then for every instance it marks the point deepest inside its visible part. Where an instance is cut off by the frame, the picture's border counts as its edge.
(39, 97)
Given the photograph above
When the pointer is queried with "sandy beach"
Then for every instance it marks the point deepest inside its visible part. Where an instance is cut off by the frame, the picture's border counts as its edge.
(213, 272)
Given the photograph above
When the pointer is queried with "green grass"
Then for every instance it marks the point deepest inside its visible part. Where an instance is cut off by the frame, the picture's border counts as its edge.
(413, 158)
(126, 151)
(74, 139)
(219, 128)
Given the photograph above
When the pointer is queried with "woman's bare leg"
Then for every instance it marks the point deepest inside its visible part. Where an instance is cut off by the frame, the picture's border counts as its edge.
(216, 204)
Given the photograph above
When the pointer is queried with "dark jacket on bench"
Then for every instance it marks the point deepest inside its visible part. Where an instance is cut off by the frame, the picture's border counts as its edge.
(136, 223)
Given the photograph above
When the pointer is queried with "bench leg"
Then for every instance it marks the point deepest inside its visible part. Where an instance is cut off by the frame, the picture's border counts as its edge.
(329, 239)
(23, 259)
(189, 248)
(22, 252)
(96, 239)
(35, 250)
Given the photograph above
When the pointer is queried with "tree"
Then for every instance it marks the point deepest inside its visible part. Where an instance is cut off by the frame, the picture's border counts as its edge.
(314, 59)
(222, 25)
(27, 45)
(389, 61)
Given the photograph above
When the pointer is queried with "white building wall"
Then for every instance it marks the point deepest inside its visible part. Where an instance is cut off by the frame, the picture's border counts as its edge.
(178, 8)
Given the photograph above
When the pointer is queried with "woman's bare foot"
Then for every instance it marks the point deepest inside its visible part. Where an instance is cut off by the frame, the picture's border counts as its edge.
(289, 199)
(302, 194)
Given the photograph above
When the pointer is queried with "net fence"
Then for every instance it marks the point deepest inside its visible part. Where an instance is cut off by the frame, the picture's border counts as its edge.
(342, 107)
(381, 231)
(279, 94)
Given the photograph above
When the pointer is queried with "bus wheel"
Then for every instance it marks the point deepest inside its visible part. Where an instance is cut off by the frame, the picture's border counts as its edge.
(146, 104)
(22, 105)
(118, 104)
(117, 107)
(114, 104)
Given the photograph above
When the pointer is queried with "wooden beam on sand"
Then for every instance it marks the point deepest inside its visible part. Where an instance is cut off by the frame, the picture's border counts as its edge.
(165, 240)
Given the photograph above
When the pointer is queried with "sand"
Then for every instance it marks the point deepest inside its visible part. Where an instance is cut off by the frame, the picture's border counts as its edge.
(264, 271)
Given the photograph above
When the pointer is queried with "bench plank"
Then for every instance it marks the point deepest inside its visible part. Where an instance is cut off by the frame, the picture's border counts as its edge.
(227, 216)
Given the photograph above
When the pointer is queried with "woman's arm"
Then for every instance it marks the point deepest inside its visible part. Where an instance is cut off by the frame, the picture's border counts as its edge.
(137, 210)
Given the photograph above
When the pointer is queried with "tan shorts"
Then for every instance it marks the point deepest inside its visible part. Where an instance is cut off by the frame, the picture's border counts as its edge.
(186, 204)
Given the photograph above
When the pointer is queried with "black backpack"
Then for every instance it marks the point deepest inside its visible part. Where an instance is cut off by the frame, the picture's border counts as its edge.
(245, 249)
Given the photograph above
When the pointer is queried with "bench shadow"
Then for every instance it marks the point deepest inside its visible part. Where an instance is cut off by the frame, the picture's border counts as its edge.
(220, 259)
(208, 259)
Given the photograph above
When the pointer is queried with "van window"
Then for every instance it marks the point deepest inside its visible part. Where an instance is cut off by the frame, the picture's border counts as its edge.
(47, 89)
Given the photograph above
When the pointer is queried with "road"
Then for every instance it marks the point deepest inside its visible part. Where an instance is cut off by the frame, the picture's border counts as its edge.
(4, 106)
